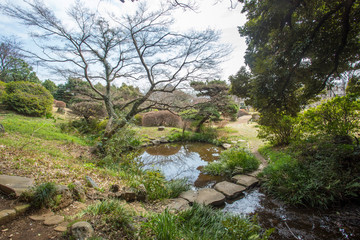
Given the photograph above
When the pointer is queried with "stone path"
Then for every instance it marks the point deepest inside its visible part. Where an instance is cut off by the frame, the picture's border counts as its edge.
(214, 196)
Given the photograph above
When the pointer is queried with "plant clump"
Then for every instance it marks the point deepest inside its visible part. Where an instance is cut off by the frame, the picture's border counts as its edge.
(233, 161)
(28, 98)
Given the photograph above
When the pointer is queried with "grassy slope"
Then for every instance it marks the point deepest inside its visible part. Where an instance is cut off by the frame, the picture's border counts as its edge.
(35, 147)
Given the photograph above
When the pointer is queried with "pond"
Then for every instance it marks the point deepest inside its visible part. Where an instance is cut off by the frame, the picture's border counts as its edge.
(178, 160)
(186, 160)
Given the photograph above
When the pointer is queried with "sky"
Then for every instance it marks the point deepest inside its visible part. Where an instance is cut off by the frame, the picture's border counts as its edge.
(213, 14)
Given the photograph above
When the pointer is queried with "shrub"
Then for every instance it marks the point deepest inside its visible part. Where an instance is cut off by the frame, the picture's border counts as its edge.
(122, 141)
(138, 119)
(28, 98)
(89, 110)
(161, 118)
(278, 128)
(59, 104)
(337, 117)
(233, 161)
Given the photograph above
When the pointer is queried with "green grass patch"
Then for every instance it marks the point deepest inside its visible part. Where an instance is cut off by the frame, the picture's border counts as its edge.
(37, 127)
(233, 161)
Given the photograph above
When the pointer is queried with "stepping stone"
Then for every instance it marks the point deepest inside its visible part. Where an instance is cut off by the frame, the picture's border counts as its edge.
(61, 227)
(7, 215)
(226, 145)
(230, 190)
(245, 180)
(161, 128)
(208, 196)
(22, 208)
(189, 195)
(13, 185)
(178, 204)
(41, 217)
(53, 220)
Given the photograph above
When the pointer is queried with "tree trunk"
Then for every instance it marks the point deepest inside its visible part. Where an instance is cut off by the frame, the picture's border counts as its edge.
(202, 121)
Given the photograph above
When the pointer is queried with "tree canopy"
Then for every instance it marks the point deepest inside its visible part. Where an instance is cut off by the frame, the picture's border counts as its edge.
(295, 48)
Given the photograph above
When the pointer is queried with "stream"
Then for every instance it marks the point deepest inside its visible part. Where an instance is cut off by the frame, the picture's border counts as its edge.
(178, 160)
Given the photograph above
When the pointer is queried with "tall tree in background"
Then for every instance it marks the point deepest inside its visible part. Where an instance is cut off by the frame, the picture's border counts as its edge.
(12, 66)
(296, 47)
(139, 47)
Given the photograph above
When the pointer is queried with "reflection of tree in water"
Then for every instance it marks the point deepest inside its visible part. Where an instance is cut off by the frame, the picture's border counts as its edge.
(164, 149)
(183, 163)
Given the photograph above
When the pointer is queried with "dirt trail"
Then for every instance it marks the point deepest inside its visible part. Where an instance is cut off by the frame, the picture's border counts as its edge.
(248, 131)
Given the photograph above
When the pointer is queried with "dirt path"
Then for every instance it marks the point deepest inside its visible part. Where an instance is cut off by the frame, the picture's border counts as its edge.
(248, 131)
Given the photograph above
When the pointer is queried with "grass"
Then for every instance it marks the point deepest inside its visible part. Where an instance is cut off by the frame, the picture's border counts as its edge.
(117, 218)
(201, 222)
(233, 161)
(37, 127)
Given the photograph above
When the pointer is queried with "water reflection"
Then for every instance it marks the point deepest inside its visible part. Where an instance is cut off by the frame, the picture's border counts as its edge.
(182, 161)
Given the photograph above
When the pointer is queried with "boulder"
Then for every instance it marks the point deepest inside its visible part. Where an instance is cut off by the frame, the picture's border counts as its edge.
(189, 195)
(161, 128)
(66, 197)
(230, 190)
(178, 204)
(245, 180)
(163, 140)
(91, 182)
(78, 192)
(13, 185)
(155, 142)
(82, 230)
(208, 196)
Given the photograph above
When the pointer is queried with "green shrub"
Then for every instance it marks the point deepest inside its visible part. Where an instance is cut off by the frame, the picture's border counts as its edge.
(337, 117)
(233, 161)
(277, 128)
(28, 98)
(138, 119)
(122, 141)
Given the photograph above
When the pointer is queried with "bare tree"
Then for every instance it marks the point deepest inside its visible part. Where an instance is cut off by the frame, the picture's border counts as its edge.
(9, 51)
(141, 47)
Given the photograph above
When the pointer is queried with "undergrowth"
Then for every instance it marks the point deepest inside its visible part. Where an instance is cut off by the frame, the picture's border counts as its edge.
(201, 222)
(319, 181)
(233, 161)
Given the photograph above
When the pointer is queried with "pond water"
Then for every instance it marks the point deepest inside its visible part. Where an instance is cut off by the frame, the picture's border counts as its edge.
(186, 160)
(182, 161)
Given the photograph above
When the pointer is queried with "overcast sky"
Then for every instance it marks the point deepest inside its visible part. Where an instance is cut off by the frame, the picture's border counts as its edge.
(208, 15)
